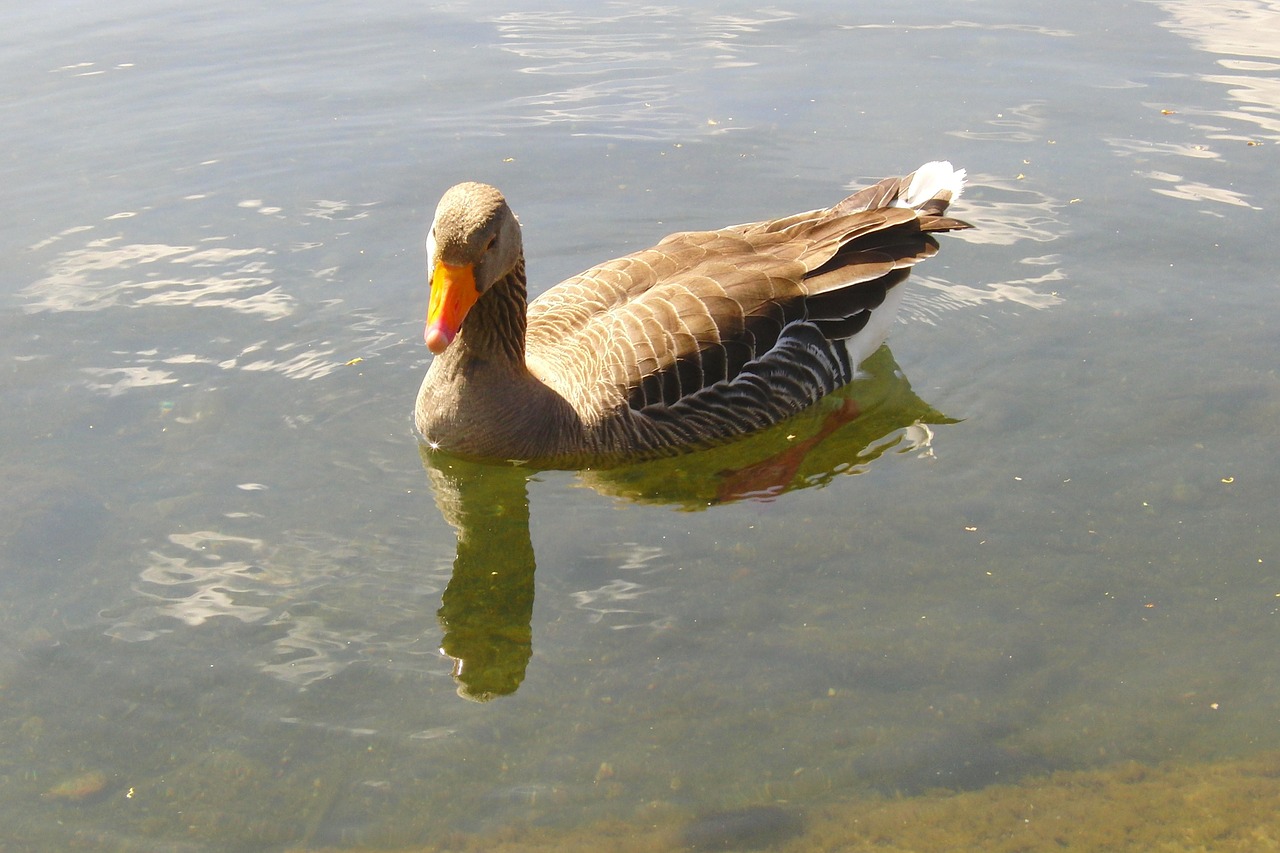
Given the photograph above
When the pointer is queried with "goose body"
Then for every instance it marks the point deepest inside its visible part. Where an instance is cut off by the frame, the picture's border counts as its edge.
(706, 336)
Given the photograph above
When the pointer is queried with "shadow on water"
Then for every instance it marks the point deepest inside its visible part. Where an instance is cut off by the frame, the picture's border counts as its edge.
(488, 605)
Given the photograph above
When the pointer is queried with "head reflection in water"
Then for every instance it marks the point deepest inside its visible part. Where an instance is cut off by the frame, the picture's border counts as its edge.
(486, 616)
(488, 604)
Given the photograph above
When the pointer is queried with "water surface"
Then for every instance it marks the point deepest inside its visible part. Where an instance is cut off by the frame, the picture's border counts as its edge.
(1044, 542)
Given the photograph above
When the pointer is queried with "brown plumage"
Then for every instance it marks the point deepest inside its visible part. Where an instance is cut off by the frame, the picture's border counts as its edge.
(706, 336)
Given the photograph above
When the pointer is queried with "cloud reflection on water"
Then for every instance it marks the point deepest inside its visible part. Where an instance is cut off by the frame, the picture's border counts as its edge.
(1245, 35)
(108, 272)
(88, 272)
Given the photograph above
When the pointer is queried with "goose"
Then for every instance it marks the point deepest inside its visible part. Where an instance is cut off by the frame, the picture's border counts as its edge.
(707, 336)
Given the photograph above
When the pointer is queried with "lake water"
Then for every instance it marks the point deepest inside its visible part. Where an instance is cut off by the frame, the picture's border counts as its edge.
(1047, 543)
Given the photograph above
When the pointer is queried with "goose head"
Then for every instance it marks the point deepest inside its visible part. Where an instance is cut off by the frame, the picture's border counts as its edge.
(474, 242)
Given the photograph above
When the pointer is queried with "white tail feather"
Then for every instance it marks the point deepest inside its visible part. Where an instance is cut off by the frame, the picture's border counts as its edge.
(929, 180)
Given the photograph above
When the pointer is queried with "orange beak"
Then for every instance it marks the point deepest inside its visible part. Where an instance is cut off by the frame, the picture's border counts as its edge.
(453, 292)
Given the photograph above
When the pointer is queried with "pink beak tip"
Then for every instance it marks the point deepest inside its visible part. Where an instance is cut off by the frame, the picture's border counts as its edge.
(437, 338)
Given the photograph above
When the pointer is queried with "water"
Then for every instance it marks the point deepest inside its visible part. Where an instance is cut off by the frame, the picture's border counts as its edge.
(1047, 543)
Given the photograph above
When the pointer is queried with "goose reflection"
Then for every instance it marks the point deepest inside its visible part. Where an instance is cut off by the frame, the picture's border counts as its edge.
(487, 607)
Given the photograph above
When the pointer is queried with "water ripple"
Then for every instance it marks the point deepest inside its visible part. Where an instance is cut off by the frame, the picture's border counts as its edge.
(108, 272)
(620, 75)
(303, 588)
(1034, 29)
(1244, 35)
(87, 272)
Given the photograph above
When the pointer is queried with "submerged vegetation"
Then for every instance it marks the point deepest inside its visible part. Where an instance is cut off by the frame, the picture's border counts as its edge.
(1224, 806)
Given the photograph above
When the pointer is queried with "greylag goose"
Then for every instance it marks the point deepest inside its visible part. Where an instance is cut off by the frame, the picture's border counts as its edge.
(706, 336)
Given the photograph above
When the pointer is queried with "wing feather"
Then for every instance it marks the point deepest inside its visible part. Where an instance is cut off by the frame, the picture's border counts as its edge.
(704, 309)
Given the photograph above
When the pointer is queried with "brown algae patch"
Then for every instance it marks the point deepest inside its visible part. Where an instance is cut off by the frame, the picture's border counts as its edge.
(81, 788)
